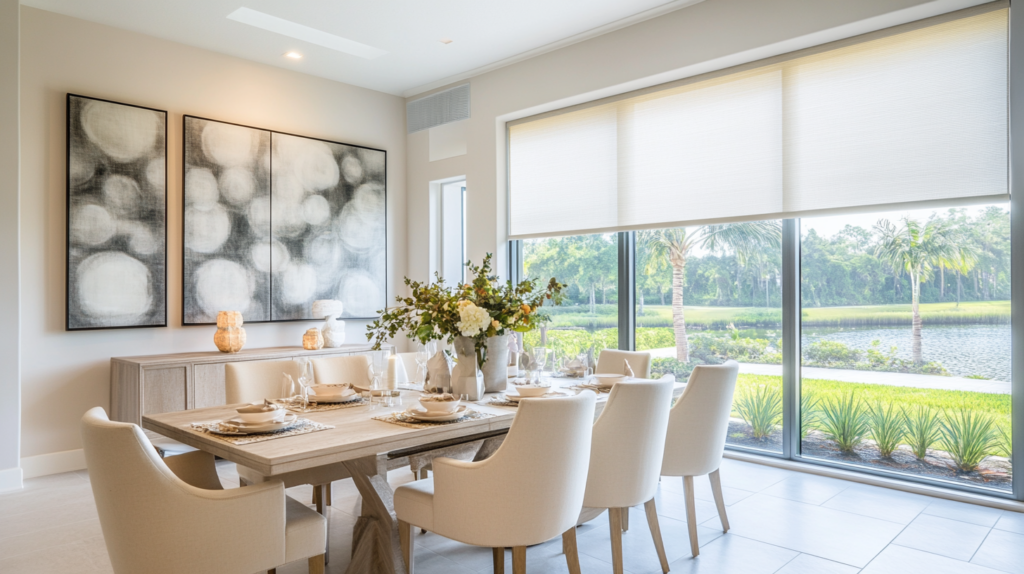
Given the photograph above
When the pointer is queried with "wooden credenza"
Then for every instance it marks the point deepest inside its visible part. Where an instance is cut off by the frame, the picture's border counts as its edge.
(152, 384)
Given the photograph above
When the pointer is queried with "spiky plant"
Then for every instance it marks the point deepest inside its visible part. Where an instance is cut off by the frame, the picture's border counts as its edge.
(923, 429)
(968, 437)
(843, 421)
(886, 426)
(809, 415)
(1004, 442)
(761, 408)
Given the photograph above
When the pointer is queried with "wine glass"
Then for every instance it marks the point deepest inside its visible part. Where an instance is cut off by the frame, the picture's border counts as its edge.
(378, 362)
(422, 356)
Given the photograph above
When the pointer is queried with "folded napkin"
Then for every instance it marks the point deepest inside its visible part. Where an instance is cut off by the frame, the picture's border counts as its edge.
(267, 406)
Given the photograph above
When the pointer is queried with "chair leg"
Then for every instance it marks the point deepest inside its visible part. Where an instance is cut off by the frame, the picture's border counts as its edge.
(405, 539)
(316, 495)
(518, 560)
(652, 522)
(625, 519)
(424, 473)
(615, 526)
(572, 555)
(316, 564)
(716, 489)
(499, 560)
(691, 515)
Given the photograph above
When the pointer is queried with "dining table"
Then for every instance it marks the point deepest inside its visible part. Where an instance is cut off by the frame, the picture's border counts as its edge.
(361, 446)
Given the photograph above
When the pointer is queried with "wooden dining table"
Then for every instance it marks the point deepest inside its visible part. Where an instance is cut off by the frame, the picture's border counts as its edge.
(363, 448)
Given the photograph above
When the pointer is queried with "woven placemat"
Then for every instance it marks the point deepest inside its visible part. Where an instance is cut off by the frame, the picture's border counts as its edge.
(321, 407)
(502, 402)
(402, 419)
(305, 426)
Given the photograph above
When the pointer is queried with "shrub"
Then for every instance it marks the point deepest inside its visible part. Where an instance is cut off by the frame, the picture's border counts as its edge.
(843, 420)
(968, 436)
(1004, 442)
(809, 415)
(886, 425)
(833, 354)
(923, 429)
(761, 408)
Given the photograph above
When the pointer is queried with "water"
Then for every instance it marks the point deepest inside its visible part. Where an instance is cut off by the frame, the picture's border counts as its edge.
(964, 350)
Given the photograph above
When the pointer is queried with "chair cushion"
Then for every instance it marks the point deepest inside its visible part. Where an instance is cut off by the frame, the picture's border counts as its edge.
(305, 531)
(414, 503)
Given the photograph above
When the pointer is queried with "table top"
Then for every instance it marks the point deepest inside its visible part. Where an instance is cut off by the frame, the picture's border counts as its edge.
(355, 434)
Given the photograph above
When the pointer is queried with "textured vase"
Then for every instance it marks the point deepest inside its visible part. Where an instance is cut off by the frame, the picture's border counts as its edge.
(313, 340)
(333, 332)
(495, 368)
(467, 379)
(230, 336)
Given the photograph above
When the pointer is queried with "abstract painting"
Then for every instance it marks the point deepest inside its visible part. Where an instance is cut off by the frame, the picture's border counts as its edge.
(116, 215)
(308, 223)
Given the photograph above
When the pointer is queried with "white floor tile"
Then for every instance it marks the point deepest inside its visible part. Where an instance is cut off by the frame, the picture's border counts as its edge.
(943, 536)
(1002, 551)
(807, 564)
(702, 489)
(972, 513)
(749, 476)
(673, 504)
(1011, 522)
(901, 560)
(734, 555)
(807, 488)
(826, 533)
(878, 502)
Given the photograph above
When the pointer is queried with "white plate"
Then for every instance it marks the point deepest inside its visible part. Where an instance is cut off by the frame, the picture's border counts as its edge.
(239, 427)
(421, 415)
(548, 395)
(606, 381)
(334, 399)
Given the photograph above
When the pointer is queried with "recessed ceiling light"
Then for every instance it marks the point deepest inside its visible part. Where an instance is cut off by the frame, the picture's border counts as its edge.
(293, 55)
(304, 33)
(446, 40)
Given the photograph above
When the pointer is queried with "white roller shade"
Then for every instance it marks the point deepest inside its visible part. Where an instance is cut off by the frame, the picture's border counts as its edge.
(909, 115)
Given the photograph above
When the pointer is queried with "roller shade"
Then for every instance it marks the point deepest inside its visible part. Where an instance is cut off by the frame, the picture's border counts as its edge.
(911, 115)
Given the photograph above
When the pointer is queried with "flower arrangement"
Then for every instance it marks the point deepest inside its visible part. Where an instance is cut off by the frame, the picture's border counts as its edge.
(480, 309)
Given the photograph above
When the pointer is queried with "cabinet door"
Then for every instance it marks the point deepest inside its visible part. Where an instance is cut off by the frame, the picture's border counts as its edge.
(165, 389)
(209, 385)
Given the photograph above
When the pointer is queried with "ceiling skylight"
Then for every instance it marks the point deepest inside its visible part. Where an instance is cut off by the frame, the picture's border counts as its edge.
(304, 33)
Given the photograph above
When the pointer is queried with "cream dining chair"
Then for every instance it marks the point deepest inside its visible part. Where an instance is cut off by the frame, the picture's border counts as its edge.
(529, 491)
(352, 369)
(253, 381)
(157, 521)
(613, 361)
(625, 458)
(697, 427)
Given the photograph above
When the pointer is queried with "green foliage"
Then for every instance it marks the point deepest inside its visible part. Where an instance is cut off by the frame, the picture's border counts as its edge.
(665, 365)
(832, 354)
(761, 408)
(923, 429)
(1004, 442)
(968, 437)
(810, 415)
(844, 421)
(886, 426)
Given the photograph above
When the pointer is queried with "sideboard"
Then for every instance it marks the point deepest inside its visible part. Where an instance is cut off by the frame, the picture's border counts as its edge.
(153, 384)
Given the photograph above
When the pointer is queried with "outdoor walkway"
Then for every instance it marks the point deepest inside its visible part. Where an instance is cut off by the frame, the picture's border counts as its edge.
(873, 377)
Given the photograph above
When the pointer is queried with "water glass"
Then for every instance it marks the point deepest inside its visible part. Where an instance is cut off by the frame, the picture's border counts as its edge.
(378, 364)
(540, 357)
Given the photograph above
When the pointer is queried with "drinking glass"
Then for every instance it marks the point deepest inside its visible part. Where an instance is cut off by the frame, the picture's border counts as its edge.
(540, 357)
(378, 363)
(422, 356)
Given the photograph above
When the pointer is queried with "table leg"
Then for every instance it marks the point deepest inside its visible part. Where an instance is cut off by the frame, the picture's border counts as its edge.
(319, 499)
(376, 546)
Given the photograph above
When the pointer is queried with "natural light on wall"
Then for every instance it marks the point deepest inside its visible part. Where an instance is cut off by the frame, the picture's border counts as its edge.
(909, 115)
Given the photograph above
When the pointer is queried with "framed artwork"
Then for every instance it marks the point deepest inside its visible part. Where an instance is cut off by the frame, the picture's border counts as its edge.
(275, 221)
(116, 215)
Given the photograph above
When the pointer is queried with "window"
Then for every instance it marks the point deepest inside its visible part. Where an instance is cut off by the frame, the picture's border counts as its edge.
(453, 232)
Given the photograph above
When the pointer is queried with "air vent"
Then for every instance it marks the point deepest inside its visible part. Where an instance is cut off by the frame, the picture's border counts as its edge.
(451, 105)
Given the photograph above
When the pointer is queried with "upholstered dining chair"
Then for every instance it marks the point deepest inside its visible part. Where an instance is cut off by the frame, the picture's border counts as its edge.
(543, 461)
(697, 427)
(625, 458)
(253, 381)
(412, 370)
(613, 361)
(158, 520)
(352, 369)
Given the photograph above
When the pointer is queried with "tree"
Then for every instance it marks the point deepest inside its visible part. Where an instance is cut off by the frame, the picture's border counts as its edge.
(675, 245)
(917, 249)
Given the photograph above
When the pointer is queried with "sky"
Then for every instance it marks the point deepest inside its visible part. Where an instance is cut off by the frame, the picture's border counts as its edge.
(830, 225)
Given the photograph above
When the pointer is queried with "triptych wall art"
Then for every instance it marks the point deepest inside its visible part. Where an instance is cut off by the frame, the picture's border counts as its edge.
(116, 215)
(272, 221)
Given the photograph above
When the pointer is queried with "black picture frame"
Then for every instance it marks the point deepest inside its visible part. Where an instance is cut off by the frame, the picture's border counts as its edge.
(192, 314)
(97, 242)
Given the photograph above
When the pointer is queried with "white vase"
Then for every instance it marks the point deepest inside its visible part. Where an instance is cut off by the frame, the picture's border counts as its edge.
(333, 332)
(467, 379)
(495, 367)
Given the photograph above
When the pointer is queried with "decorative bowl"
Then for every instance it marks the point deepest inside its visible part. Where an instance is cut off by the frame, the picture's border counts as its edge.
(436, 406)
(331, 390)
(262, 416)
(606, 381)
(532, 390)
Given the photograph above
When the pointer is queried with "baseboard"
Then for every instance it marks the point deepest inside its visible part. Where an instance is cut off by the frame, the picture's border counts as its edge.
(53, 463)
(10, 479)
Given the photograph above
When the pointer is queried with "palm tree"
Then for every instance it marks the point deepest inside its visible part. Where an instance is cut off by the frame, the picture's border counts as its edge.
(918, 250)
(674, 245)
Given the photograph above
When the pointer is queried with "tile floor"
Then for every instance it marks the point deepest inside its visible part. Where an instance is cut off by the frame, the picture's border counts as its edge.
(783, 522)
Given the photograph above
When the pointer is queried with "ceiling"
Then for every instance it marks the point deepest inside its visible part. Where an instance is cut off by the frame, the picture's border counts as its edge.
(484, 34)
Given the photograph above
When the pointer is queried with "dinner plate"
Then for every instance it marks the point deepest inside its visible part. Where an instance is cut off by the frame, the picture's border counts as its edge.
(242, 428)
(334, 399)
(551, 394)
(421, 415)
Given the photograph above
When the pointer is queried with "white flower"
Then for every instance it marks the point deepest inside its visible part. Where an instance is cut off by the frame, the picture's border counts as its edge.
(473, 319)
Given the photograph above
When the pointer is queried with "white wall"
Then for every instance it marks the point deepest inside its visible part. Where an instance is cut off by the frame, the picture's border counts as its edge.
(10, 392)
(66, 373)
(712, 35)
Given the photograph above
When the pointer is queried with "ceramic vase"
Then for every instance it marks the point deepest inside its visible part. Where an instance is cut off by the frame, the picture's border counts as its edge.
(467, 379)
(313, 340)
(495, 368)
(230, 336)
(333, 332)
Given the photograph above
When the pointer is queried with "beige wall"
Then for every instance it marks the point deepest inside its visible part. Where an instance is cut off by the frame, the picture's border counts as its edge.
(66, 373)
(10, 402)
(711, 35)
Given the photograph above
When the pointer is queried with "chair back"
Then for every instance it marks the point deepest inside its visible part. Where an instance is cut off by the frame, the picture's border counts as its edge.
(154, 522)
(253, 381)
(352, 369)
(531, 489)
(699, 422)
(412, 370)
(628, 445)
(613, 361)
